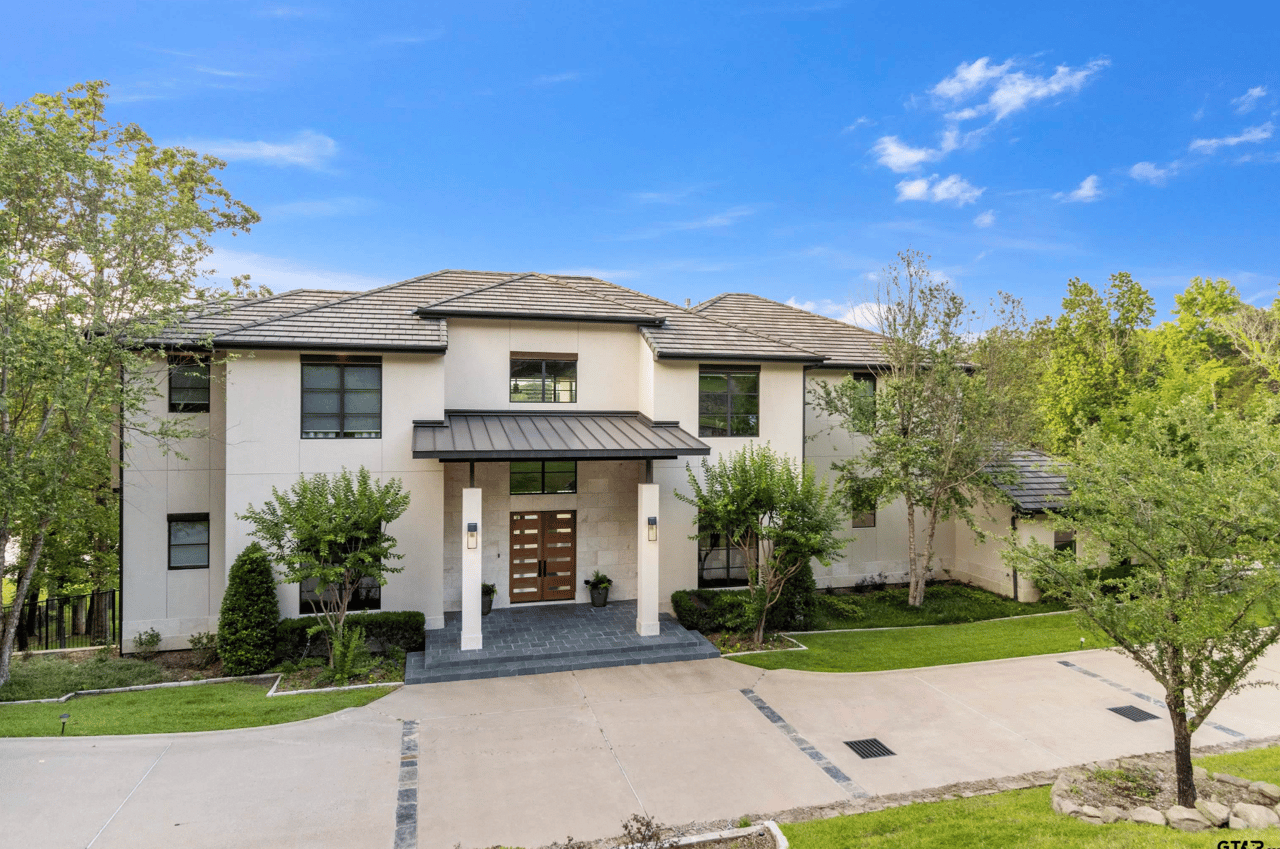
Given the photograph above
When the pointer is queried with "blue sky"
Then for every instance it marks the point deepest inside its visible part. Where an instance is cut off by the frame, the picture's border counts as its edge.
(784, 147)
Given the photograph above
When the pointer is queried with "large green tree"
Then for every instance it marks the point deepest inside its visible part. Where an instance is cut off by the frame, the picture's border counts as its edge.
(102, 239)
(1188, 499)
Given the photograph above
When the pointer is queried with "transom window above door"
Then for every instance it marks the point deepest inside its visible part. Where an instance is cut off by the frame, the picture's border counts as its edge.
(544, 378)
(543, 477)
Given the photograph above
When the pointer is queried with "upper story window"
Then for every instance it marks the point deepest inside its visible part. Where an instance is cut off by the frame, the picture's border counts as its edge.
(729, 401)
(188, 383)
(188, 540)
(544, 378)
(539, 477)
(341, 397)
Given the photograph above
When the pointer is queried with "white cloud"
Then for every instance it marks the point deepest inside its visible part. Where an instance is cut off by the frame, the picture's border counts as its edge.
(326, 208)
(726, 218)
(901, 158)
(1244, 103)
(600, 273)
(281, 275)
(969, 78)
(308, 149)
(219, 72)
(865, 315)
(985, 219)
(556, 79)
(666, 196)
(952, 189)
(1249, 134)
(864, 121)
(1149, 172)
(1086, 192)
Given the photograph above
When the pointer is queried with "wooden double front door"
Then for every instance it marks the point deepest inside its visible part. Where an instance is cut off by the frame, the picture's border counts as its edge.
(544, 555)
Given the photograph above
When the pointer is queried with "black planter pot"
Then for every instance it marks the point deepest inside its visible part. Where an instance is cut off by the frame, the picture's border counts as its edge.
(486, 604)
(599, 596)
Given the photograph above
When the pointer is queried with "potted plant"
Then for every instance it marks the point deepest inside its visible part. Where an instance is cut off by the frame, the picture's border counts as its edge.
(599, 583)
(487, 592)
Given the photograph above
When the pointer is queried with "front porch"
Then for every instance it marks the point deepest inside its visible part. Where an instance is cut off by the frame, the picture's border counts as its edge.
(552, 638)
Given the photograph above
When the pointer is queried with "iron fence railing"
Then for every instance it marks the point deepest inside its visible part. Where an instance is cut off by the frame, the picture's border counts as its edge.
(69, 621)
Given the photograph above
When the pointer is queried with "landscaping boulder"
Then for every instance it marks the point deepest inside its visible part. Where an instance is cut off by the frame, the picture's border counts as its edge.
(1186, 819)
(1217, 814)
(1263, 788)
(1254, 816)
(1089, 814)
(1231, 779)
(1148, 815)
(1199, 773)
(1063, 805)
(1111, 813)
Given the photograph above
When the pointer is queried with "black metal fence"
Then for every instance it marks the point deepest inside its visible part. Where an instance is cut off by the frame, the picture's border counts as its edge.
(70, 621)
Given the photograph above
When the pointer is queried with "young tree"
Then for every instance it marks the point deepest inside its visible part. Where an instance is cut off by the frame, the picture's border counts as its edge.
(933, 428)
(102, 239)
(774, 510)
(331, 531)
(1189, 500)
(249, 615)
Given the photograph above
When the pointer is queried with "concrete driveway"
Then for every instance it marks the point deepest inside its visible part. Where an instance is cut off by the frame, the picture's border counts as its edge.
(526, 761)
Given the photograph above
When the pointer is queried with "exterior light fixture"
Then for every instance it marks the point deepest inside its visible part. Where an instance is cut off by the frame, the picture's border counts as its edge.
(64, 719)
(653, 529)
(473, 534)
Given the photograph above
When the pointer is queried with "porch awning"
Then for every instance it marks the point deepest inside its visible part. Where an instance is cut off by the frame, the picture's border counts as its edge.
(482, 436)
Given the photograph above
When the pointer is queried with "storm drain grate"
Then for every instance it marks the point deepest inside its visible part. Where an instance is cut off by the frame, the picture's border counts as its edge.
(869, 748)
(1137, 714)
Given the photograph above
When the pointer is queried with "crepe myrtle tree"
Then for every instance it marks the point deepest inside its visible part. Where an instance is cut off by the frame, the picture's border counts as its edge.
(771, 508)
(331, 531)
(1188, 499)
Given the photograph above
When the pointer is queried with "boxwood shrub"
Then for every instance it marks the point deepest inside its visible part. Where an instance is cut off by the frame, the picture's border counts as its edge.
(403, 629)
(710, 611)
(247, 621)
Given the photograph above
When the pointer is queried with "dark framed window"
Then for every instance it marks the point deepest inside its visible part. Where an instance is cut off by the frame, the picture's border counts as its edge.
(864, 520)
(543, 477)
(1064, 541)
(368, 596)
(341, 397)
(719, 563)
(188, 540)
(728, 401)
(544, 378)
(188, 383)
(867, 384)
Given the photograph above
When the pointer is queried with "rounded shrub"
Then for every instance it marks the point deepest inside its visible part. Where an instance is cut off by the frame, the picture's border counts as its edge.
(250, 613)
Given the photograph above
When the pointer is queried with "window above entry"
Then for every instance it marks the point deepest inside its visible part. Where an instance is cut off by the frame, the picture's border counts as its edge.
(538, 378)
(728, 401)
(188, 383)
(341, 397)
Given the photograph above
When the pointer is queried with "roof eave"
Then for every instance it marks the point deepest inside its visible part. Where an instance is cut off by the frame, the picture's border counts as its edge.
(638, 320)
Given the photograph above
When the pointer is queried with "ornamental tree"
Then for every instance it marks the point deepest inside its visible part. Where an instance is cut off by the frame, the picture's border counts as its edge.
(331, 532)
(1187, 498)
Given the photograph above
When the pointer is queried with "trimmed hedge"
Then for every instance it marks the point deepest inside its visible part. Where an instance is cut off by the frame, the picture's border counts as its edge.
(712, 611)
(250, 611)
(405, 629)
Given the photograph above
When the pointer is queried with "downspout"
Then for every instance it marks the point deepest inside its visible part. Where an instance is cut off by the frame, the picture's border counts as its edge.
(1013, 528)
(120, 515)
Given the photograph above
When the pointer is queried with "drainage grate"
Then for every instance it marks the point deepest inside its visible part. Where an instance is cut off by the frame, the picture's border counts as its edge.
(1137, 714)
(869, 748)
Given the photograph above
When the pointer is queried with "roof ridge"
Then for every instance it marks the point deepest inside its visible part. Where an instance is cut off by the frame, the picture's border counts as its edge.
(312, 308)
(638, 294)
(753, 331)
(563, 281)
(836, 321)
(520, 275)
(708, 302)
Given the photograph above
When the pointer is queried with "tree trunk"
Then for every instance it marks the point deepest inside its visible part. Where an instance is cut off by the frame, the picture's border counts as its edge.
(915, 595)
(1182, 750)
(15, 612)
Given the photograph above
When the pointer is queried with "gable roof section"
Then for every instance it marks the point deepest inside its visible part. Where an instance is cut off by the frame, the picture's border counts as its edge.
(538, 296)
(841, 344)
(199, 328)
(1039, 481)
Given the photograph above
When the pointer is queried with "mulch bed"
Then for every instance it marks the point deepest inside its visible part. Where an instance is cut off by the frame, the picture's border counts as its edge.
(733, 643)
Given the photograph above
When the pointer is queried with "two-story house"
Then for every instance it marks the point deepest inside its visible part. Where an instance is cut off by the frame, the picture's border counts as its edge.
(541, 425)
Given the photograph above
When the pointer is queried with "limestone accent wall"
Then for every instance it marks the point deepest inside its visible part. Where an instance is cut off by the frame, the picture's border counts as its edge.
(606, 507)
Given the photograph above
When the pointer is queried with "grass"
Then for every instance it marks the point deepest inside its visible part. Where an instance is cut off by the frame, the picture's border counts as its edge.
(52, 676)
(208, 707)
(944, 604)
(1019, 818)
(909, 648)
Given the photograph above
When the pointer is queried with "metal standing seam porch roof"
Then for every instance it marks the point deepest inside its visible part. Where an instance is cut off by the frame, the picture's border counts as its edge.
(515, 435)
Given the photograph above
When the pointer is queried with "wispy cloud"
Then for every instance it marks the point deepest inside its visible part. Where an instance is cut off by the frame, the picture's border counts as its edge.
(985, 219)
(970, 77)
(1269, 157)
(220, 72)
(953, 189)
(290, 12)
(281, 274)
(326, 208)
(865, 315)
(1149, 172)
(410, 37)
(556, 79)
(666, 196)
(902, 158)
(600, 273)
(1086, 192)
(1262, 132)
(307, 149)
(863, 121)
(1245, 103)
(1010, 91)
(718, 220)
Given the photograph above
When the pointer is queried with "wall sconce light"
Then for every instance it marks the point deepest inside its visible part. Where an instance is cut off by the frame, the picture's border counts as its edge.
(473, 534)
(653, 529)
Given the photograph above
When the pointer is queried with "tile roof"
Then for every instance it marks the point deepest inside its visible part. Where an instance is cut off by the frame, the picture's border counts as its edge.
(840, 343)
(540, 296)
(1039, 481)
(476, 435)
(200, 327)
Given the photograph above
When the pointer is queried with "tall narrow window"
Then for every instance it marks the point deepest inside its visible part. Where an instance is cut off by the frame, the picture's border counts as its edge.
(728, 401)
(188, 540)
(341, 397)
(537, 477)
(188, 383)
(720, 564)
(544, 378)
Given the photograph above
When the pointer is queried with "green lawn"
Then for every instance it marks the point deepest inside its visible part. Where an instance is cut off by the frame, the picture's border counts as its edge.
(52, 676)
(206, 707)
(944, 604)
(1020, 818)
(908, 648)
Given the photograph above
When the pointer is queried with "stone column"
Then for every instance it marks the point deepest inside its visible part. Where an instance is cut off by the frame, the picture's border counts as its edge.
(471, 574)
(647, 561)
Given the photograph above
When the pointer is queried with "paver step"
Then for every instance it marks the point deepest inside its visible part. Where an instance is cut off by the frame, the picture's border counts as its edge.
(480, 658)
(596, 659)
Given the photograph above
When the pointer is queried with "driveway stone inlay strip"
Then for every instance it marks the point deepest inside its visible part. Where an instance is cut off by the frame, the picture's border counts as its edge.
(833, 772)
(407, 789)
(1152, 699)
